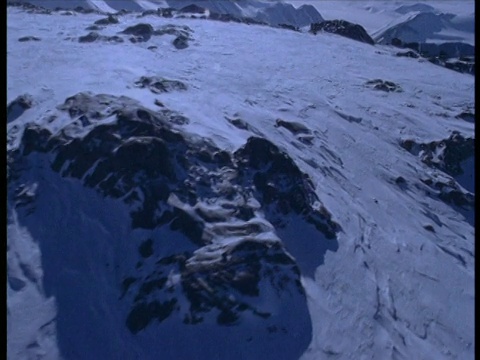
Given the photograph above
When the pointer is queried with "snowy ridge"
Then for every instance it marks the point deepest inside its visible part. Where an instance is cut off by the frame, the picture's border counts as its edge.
(240, 190)
(270, 12)
(428, 26)
(377, 16)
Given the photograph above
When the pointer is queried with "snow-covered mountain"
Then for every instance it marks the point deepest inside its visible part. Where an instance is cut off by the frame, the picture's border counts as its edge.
(423, 26)
(426, 21)
(270, 12)
(180, 188)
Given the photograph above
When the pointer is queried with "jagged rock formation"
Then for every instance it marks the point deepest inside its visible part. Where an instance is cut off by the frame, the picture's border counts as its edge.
(453, 157)
(343, 28)
(451, 55)
(236, 268)
(446, 155)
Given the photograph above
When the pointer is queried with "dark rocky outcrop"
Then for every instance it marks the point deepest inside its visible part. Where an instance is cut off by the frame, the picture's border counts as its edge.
(180, 42)
(159, 85)
(166, 12)
(94, 28)
(292, 126)
(281, 186)
(111, 19)
(449, 192)
(176, 30)
(192, 9)
(143, 32)
(239, 123)
(82, 10)
(461, 66)
(452, 181)
(343, 28)
(410, 54)
(446, 155)
(289, 27)
(383, 85)
(235, 268)
(140, 31)
(28, 38)
(237, 19)
(451, 55)
(18, 106)
(95, 36)
(467, 116)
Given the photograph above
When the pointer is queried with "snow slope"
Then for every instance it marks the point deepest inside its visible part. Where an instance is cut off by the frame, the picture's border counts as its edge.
(395, 282)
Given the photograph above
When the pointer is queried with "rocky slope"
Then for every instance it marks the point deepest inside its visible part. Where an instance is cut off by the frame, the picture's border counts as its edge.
(228, 199)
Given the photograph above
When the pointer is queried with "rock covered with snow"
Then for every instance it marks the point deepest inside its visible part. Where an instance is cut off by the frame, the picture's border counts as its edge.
(235, 272)
(343, 28)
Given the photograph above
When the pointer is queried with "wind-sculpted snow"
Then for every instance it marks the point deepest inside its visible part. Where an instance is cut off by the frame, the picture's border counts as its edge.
(233, 271)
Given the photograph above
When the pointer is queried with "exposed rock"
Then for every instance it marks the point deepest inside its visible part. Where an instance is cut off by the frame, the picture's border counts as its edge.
(184, 184)
(30, 8)
(122, 12)
(223, 17)
(456, 56)
(343, 28)
(28, 38)
(292, 126)
(232, 18)
(387, 86)
(94, 28)
(410, 54)
(146, 248)
(166, 12)
(192, 9)
(288, 27)
(447, 190)
(111, 19)
(461, 66)
(82, 10)
(239, 123)
(281, 185)
(467, 116)
(429, 228)
(175, 118)
(90, 37)
(446, 155)
(181, 42)
(18, 106)
(94, 36)
(174, 30)
(159, 85)
(142, 31)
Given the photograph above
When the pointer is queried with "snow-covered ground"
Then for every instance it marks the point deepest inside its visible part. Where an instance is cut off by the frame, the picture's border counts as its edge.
(391, 290)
